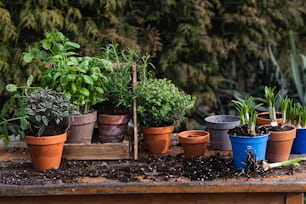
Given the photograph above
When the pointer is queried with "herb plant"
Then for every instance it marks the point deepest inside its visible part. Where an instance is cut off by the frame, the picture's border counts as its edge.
(81, 79)
(161, 103)
(118, 91)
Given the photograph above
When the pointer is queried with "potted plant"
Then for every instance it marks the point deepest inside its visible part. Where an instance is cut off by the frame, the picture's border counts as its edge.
(247, 135)
(218, 126)
(299, 116)
(80, 78)
(270, 116)
(44, 123)
(194, 142)
(159, 105)
(115, 112)
(281, 134)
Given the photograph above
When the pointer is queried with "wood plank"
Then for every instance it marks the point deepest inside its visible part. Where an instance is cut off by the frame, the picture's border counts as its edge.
(181, 198)
(106, 151)
(295, 198)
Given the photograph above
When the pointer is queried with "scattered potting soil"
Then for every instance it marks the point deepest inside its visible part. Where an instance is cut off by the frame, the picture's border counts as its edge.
(149, 169)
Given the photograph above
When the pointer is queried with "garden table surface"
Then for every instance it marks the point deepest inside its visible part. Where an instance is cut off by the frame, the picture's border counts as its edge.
(288, 189)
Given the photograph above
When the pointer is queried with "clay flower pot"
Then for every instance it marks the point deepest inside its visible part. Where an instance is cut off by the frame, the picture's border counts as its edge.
(46, 151)
(81, 128)
(280, 144)
(157, 139)
(263, 118)
(112, 128)
(194, 142)
(218, 126)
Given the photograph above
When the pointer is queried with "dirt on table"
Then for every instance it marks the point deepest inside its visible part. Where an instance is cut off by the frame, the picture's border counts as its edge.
(172, 167)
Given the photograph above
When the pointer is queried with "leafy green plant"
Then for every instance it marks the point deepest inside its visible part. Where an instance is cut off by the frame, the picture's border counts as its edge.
(247, 112)
(81, 79)
(161, 103)
(118, 90)
(271, 97)
(46, 110)
(42, 111)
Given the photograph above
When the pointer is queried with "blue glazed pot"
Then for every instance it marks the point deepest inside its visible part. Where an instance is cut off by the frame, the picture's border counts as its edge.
(299, 143)
(240, 145)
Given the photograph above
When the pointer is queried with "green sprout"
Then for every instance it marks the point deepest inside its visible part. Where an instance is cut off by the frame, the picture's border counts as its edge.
(247, 111)
(286, 106)
(271, 97)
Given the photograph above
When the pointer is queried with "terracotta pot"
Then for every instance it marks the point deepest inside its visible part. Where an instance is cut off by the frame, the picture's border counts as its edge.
(46, 151)
(218, 126)
(81, 128)
(112, 128)
(280, 144)
(194, 142)
(265, 120)
(157, 139)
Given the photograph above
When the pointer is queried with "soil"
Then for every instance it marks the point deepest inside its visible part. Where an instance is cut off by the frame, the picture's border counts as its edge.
(173, 168)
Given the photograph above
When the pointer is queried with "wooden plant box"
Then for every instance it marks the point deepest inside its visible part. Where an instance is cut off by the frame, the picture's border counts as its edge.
(106, 151)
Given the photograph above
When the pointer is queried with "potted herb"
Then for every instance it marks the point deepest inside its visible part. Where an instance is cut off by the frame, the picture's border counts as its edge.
(81, 79)
(247, 135)
(44, 123)
(114, 113)
(159, 105)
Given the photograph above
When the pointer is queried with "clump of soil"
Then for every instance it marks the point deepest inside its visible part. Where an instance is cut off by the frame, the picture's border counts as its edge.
(152, 168)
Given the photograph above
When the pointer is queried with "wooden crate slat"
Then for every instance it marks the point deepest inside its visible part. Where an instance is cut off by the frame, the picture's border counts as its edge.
(106, 151)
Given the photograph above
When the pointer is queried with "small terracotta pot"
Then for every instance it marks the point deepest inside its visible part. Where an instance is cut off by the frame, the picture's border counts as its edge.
(157, 139)
(81, 128)
(266, 121)
(194, 142)
(280, 144)
(46, 151)
(112, 128)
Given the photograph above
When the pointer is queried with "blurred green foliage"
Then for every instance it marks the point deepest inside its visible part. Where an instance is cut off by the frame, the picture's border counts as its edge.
(212, 49)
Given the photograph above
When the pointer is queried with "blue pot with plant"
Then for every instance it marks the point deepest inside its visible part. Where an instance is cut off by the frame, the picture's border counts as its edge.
(247, 137)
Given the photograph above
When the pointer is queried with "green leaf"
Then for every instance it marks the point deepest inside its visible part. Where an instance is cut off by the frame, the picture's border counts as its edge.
(24, 124)
(28, 57)
(84, 91)
(72, 44)
(88, 79)
(29, 80)
(11, 87)
(45, 120)
(46, 44)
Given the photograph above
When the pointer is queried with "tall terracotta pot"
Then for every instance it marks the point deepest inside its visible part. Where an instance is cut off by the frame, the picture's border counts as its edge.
(112, 128)
(194, 142)
(46, 151)
(81, 128)
(280, 144)
(157, 139)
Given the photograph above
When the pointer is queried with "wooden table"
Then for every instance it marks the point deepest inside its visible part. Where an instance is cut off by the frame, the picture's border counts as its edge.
(290, 191)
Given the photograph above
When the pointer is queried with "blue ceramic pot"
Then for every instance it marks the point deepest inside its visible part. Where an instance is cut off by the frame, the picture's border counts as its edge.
(240, 145)
(299, 143)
